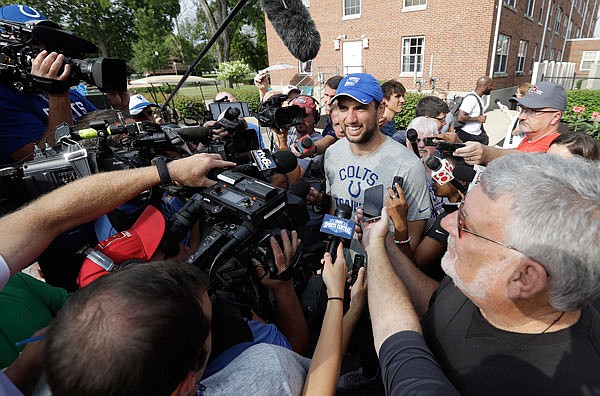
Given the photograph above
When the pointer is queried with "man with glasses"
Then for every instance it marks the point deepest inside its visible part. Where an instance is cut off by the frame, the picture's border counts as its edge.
(434, 108)
(513, 315)
(541, 110)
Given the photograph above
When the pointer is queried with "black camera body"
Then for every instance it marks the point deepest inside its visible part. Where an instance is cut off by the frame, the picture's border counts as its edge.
(272, 114)
(442, 145)
(18, 48)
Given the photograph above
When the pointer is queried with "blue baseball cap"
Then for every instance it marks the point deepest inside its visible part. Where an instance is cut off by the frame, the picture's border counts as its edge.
(362, 87)
(25, 14)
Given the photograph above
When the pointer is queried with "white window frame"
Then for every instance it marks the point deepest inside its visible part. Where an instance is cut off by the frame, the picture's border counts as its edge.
(521, 56)
(550, 16)
(558, 20)
(512, 4)
(541, 16)
(409, 8)
(529, 9)
(502, 51)
(417, 65)
(535, 48)
(595, 58)
(306, 3)
(351, 16)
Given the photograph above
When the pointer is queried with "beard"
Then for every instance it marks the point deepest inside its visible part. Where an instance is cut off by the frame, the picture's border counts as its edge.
(365, 137)
(475, 288)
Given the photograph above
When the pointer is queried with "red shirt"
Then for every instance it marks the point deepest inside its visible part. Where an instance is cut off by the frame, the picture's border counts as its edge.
(539, 146)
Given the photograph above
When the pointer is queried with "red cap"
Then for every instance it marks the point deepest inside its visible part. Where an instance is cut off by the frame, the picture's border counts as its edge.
(304, 101)
(139, 242)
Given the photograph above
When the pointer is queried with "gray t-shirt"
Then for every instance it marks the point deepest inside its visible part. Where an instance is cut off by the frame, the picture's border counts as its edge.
(262, 369)
(349, 175)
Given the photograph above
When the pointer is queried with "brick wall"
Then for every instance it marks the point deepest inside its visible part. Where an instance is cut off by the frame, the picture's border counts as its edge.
(459, 34)
(575, 50)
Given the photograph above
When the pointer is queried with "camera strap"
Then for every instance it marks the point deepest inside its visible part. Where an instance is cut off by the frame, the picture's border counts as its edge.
(49, 85)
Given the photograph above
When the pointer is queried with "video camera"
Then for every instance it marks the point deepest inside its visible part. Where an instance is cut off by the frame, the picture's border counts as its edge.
(240, 214)
(19, 46)
(271, 113)
(238, 143)
(71, 159)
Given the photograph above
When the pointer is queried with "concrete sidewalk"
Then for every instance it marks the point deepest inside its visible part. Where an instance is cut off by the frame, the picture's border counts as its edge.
(496, 125)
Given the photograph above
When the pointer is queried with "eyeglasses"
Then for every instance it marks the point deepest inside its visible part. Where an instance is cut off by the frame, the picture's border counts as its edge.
(533, 112)
(441, 119)
(460, 225)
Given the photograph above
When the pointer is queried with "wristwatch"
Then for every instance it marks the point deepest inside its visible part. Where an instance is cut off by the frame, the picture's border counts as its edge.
(163, 171)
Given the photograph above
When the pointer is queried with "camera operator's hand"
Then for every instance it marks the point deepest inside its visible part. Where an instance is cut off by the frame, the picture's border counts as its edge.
(26, 370)
(358, 291)
(119, 100)
(334, 274)
(48, 65)
(192, 171)
(261, 81)
(216, 130)
(473, 153)
(283, 259)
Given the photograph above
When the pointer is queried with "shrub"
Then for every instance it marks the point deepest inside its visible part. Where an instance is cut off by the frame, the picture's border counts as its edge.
(189, 106)
(587, 98)
(247, 93)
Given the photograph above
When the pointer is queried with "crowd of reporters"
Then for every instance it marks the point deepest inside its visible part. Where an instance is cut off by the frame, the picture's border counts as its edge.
(464, 294)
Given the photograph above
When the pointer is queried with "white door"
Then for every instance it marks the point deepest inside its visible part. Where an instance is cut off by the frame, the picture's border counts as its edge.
(352, 56)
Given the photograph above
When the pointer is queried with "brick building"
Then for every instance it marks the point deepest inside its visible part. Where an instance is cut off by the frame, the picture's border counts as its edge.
(583, 52)
(449, 43)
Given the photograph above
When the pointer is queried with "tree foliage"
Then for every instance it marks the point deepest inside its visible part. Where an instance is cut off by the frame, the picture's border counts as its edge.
(233, 71)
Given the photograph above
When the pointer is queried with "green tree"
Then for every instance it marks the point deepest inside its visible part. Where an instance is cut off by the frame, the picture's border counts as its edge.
(245, 37)
(233, 71)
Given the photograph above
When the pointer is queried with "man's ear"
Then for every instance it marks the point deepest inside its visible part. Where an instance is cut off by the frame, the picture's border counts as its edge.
(528, 280)
(189, 385)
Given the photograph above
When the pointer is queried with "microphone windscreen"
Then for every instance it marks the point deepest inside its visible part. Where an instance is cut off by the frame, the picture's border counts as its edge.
(301, 189)
(464, 173)
(286, 161)
(294, 26)
(412, 135)
(344, 211)
(433, 163)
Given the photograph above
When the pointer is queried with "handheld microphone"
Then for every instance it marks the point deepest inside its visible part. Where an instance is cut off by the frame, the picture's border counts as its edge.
(286, 161)
(412, 135)
(195, 133)
(339, 226)
(281, 162)
(464, 173)
(293, 24)
(230, 118)
(304, 144)
(442, 173)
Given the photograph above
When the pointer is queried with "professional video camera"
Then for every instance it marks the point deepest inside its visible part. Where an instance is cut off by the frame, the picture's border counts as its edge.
(19, 46)
(240, 214)
(56, 166)
(238, 142)
(271, 113)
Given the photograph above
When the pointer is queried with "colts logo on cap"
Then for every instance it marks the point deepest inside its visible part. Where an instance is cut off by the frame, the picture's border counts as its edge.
(352, 81)
(535, 90)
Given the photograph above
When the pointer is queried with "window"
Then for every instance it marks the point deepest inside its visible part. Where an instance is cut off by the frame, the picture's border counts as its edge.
(557, 20)
(541, 15)
(502, 48)
(570, 28)
(306, 3)
(550, 16)
(533, 58)
(521, 56)
(559, 56)
(305, 67)
(529, 8)
(412, 56)
(588, 58)
(551, 58)
(351, 9)
(510, 3)
(565, 27)
(414, 5)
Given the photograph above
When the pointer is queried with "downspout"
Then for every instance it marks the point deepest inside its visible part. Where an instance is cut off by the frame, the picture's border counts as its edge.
(569, 27)
(544, 34)
(495, 43)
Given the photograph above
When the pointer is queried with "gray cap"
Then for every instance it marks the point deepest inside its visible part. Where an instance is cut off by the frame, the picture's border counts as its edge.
(544, 94)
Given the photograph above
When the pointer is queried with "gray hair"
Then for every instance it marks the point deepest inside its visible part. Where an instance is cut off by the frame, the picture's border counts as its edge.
(555, 219)
(423, 125)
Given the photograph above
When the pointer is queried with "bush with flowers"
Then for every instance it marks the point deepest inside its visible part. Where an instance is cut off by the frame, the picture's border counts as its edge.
(583, 111)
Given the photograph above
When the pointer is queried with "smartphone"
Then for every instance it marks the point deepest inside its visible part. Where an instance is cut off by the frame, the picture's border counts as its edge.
(359, 261)
(399, 180)
(373, 202)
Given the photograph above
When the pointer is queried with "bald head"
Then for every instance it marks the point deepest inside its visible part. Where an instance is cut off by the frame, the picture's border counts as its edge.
(482, 81)
(484, 85)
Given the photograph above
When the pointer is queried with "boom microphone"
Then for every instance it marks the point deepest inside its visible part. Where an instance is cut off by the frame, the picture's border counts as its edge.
(293, 24)
(412, 137)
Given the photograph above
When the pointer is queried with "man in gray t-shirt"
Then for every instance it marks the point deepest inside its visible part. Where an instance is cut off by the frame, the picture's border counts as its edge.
(367, 158)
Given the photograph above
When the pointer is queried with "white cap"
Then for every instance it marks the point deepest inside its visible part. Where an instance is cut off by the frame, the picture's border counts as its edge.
(288, 88)
(137, 103)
